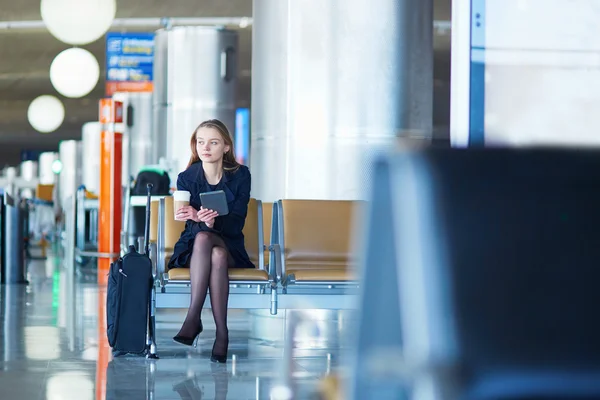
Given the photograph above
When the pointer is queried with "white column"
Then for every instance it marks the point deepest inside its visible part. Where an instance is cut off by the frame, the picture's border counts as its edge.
(332, 82)
(195, 80)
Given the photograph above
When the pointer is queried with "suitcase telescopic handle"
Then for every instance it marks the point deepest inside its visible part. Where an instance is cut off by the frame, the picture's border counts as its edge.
(147, 230)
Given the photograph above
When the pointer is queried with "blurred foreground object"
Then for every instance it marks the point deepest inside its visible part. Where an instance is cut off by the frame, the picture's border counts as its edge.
(486, 277)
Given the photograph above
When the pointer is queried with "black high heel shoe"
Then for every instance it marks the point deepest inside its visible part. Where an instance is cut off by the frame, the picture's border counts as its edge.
(220, 358)
(189, 341)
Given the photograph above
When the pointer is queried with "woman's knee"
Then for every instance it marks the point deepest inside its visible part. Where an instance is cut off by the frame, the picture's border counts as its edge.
(202, 240)
(219, 257)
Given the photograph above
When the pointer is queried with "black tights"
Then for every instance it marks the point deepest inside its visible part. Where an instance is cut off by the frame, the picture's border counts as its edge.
(208, 269)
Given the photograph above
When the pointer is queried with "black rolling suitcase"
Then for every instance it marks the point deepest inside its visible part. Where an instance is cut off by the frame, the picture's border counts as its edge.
(130, 325)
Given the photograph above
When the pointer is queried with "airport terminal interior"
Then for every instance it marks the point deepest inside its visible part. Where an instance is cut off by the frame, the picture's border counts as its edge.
(299, 199)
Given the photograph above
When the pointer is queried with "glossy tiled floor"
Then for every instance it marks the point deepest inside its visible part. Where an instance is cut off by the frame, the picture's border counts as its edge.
(52, 346)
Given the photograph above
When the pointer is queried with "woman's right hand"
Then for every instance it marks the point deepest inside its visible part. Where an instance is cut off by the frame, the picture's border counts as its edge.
(207, 216)
(187, 213)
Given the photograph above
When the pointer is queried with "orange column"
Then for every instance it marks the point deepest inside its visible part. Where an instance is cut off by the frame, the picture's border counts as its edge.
(110, 199)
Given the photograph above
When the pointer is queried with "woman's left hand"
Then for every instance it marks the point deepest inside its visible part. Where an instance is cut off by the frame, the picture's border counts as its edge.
(186, 213)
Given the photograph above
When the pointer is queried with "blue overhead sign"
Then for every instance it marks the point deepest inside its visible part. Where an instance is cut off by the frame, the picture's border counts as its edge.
(129, 62)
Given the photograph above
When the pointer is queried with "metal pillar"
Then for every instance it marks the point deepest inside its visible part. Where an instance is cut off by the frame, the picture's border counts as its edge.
(139, 138)
(71, 157)
(194, 80)
(90, 150)
(70, 205)
(14, 256)
(332, 82)
(80, 219)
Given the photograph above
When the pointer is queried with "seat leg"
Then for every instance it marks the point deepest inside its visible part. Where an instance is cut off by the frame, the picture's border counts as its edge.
(152, 354)
(274, 301)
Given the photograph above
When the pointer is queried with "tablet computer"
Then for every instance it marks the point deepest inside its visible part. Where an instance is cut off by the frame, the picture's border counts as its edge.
(216, 201)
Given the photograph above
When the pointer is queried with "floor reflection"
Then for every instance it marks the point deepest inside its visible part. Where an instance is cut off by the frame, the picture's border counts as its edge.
(53, 346)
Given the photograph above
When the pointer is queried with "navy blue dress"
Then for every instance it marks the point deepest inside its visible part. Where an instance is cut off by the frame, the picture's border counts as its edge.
(236, 186)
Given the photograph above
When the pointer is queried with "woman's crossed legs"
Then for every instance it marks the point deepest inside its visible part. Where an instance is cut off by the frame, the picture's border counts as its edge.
(208, 269)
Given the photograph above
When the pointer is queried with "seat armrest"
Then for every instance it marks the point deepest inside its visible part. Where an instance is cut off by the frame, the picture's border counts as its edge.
(153, 258)
(261, 242)
(276, 263)
(271, 271)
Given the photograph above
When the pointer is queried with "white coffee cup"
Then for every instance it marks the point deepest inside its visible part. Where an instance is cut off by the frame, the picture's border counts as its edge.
(181, 198)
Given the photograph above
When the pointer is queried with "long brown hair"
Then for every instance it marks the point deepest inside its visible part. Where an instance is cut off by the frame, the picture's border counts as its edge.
(229, 161)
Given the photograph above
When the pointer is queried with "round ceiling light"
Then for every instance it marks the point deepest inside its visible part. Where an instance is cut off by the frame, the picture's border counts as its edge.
(56, 166)
(46, 113)
(78, 22)
(74, 72)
